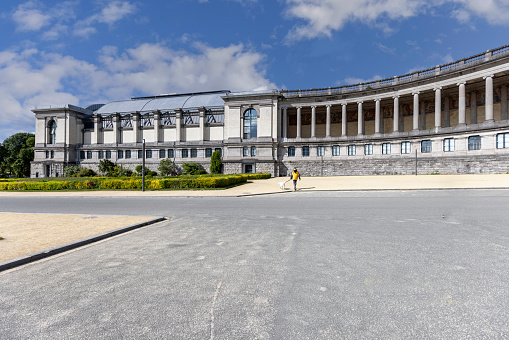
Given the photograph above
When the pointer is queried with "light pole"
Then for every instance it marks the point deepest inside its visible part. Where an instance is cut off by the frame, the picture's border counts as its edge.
(143, 166)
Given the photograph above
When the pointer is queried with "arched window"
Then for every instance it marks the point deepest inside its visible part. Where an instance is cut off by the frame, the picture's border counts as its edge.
(52, 132)
(250, 124)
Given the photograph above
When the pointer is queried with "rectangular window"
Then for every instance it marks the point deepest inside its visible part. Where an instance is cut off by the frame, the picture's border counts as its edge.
(127, 153)
(253, 151)
(335, 150)
(108, 154)
(185, 153)
(245, 151)
(291, 151)
(120, 154)
(47, 154)
(352, 150)
(100, 154)
(148, 153)
(208, 152)
(320, 150)
(219, 150)
(305, 151)
(171, 153)
(368, 149)
(248, 168)
(426, 146)
(82, 154)
(89, 154)
(52, 154)
(194, 153)
(503, 140)
(405, 147)
(162, 153)
(386, 148)
(474, 143)
(140, 154)
(449, 145)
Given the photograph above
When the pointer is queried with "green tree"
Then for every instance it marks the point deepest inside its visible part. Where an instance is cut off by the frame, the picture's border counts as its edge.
(215, 163)
(192, 169)
(167, 167)
(17, 154)
(72, 170)
(106, 167)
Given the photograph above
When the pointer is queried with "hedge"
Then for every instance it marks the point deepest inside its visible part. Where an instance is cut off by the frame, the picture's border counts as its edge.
(178, 182)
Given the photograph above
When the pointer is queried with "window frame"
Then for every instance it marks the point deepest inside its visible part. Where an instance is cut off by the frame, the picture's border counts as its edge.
(502, 138)
(127, 154)
(171, 153)
(446, 145)
(386, 148)
(162, 153)
(336, 150)
(305, 151)
(368, 149)
(426, 146)
(320, 150)
(406, 147)
(474, 143)
(250, 124)
(208, 152)
(352, 150)
(291, 151)
(253, 151)
(194, 153)
(120, 154)
(184, 153)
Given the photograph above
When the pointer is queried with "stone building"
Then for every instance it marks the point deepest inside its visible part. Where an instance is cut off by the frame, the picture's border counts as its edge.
(449, 119)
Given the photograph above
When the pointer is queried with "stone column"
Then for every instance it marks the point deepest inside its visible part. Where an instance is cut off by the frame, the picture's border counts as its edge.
(313, 121)
(422, 115)
(447, 112)
(360, 119)
(503, 102)
(489, 98)
(328, 122)
(116, 128)
(157, 125)
(473, 107)
(97, 129)
(377, 116)
(461, 104)
(344, 131)
(438, 108)
(285, 122)
(136, 126)
(178, 124)
(203, 120)
(416, 112)
(396, 114)
(299, 122)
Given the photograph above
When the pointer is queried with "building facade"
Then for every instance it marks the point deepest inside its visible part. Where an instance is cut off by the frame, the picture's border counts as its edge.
(449, 119)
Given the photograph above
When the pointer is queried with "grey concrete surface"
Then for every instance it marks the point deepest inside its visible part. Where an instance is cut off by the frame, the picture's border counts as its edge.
(311, 265)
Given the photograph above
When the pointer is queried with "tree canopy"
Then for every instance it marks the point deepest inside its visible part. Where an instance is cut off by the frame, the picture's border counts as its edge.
(16, 153)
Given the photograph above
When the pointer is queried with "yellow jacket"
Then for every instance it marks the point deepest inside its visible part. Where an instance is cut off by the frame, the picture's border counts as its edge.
(295, 175)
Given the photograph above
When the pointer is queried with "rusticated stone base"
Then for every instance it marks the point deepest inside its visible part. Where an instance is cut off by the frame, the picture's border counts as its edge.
(401, 166)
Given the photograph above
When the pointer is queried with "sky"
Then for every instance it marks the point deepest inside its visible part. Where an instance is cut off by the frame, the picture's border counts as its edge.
(83, 52)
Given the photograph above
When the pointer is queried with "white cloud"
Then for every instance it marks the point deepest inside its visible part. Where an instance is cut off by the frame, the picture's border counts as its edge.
(385, 49)
(354, 80)
(31, 78)
(112, 13)
(323, 17)
(29, 17)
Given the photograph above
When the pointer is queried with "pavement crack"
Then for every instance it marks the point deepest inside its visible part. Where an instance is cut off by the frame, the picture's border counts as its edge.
(212, 310)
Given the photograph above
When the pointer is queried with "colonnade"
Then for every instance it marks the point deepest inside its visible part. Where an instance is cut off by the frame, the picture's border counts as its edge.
(489, 115)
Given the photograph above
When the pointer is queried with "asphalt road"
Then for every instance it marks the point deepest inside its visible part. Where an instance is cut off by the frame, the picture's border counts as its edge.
(366, 265)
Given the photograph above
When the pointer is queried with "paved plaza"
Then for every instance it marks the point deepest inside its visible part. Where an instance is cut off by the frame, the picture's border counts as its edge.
(313, 264)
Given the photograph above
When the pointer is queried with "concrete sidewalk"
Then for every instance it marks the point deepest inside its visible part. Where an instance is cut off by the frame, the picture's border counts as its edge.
(308, 184)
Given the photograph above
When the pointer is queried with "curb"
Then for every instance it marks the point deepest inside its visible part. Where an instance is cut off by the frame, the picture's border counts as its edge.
(73, 245)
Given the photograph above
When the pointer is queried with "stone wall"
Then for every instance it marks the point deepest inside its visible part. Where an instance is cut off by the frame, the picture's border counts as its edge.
(401, 166)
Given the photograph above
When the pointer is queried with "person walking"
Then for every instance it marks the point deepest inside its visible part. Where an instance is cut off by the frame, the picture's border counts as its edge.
(294, 175)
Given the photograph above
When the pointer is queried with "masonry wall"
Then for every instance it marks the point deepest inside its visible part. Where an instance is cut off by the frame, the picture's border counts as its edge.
(498, 164)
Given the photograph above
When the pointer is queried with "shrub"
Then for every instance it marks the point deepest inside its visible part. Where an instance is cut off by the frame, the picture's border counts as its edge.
(167, 167)
(106, 167)
(215, 163)
(72, 170)
(192, 169)
(138, 170)
(86, 173)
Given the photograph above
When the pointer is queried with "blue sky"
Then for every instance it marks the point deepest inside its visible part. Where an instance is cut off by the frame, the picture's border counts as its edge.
(82, 52)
